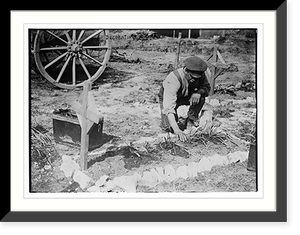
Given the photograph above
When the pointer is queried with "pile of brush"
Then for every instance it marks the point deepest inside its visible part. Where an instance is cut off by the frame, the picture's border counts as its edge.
(170, 146)
(42, 148)
(210, 132)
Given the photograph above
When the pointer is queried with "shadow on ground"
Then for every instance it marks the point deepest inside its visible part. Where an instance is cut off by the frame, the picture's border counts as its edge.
(131, 157)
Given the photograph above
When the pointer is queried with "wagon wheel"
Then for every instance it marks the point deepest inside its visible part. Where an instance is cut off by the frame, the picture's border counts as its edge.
(69, 57)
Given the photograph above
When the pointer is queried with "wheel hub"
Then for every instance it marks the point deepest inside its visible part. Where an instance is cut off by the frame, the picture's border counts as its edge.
(75, 47)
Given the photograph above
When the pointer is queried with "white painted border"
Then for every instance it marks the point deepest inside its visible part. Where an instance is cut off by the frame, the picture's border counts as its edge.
(264, 21)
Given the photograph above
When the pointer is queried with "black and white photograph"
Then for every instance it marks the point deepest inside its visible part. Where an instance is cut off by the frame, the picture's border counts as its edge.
(143, 110)
(148, 116)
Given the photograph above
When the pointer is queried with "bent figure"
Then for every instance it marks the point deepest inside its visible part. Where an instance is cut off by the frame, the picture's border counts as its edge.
(184, 86)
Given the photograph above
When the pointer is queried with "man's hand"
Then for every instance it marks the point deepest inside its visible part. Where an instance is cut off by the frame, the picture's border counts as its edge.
(180, 134)
(195, 99)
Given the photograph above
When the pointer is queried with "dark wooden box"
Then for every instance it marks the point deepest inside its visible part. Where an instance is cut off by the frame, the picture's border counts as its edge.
(67, 130)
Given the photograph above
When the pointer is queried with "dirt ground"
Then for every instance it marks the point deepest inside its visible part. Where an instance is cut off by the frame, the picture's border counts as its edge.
(126, 96)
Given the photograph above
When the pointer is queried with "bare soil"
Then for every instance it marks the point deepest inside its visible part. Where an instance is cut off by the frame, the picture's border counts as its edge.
(126, 96)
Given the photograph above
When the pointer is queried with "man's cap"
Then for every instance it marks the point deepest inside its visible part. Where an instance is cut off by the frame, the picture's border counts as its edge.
(196, 64)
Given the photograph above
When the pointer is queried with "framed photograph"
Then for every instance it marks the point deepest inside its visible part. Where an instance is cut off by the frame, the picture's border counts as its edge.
(136, 116)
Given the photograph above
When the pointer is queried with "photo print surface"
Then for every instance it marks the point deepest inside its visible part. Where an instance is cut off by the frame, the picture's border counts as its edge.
(143, 110)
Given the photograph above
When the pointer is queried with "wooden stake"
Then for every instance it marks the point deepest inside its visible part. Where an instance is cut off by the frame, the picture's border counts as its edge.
(190, 32)
(221, 58)
(217, 68)
(84, 136)
(178, 51)
(213, 72)
(200, 33)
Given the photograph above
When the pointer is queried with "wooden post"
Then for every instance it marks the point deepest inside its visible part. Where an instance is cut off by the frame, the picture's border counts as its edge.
(178, 51)
(190, 32)
(87, 114)
(216, 68)
(213, 72)
(200, 33)
(84, 126)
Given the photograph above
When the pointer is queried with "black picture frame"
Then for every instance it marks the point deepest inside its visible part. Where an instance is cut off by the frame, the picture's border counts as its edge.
(280, 215)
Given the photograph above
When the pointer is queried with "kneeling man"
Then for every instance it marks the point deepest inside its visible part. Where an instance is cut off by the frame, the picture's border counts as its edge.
(184, 86)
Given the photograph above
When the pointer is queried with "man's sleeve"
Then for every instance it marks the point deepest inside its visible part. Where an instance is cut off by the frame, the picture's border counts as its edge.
(205, 88)
(171, 86)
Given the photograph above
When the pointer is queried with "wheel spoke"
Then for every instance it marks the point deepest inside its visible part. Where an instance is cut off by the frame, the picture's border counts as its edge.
(93, 59)
(85, 69)
(68, 36)
(91, 36)
(95, 47)
(74, 70)
(74, 35)
(53, 48)
(55, 60)
(63, 69)
(54, 35)
(80, 35)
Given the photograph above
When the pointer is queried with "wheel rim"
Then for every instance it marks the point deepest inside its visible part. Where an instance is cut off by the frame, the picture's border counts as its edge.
(69, 57)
